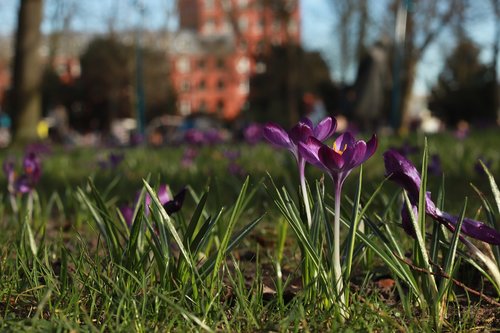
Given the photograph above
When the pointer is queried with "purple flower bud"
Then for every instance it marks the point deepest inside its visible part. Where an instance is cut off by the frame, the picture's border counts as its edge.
(171, 205)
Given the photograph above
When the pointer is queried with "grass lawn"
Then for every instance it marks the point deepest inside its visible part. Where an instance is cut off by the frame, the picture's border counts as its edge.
(229, 260)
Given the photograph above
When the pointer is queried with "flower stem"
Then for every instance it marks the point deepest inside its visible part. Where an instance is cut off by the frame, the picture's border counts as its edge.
(337, 268)
(13, 203)
(305, 197)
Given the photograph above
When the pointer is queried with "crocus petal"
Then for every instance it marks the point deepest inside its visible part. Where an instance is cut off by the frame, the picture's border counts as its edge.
(406, 219)
(147, 202)
(371, 147)
(306, 121)
(8, 167)
(176, 204)
(309, 151)
(23, 184)
(277, 136)
(354, 155)
(344, 140)
(472, 228)
(330, 159)
(163, 194)
(403, 172)
(325, 128)
(115, 159)
(300, 132)
(32, 166)
(127, 213)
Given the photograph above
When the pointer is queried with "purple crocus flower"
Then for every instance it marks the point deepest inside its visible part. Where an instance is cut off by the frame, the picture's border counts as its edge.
(233, 167)
(403, 172)
(194, 137)
(26, 181)
(188, 157)
(213, 137)
(171, 205)
(32, 166)
(301, 132)
(10, 173)
(112, 161)
(338, 161)
(253, 133)
(115, 159)
(290, 140)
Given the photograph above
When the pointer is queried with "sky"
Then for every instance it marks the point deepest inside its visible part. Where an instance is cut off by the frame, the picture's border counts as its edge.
(317, 24)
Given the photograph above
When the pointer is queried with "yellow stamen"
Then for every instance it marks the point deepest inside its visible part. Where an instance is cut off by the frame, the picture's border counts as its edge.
(338, 151)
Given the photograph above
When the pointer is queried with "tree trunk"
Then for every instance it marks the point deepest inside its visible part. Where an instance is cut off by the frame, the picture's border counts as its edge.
(26, 110)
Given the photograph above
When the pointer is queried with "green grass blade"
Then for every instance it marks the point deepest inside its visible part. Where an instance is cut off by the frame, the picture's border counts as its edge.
(209, 265)
(449, 263)
(493, 185)
(130, 254)
(166, 221)
(103, 224)
(195, 219)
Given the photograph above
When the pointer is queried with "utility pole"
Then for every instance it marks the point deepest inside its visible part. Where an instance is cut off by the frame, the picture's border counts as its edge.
(139, 72)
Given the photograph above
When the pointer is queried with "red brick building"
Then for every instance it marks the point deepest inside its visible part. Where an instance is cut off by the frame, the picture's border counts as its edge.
(213, 55)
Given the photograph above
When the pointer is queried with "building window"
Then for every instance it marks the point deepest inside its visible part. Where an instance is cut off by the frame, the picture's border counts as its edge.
(220, 106)
(221, 63)
(183, 65)
(202, 85)
(185, 86)
(220, 84)
(202, 64)
(185, 108)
